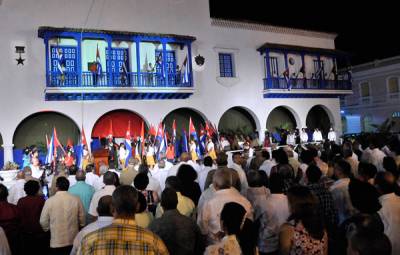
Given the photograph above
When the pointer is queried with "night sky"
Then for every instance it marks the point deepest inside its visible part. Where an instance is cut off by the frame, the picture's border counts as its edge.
(367, 34)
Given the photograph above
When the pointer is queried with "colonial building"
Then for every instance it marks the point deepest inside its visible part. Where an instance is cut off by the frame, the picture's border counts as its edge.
(375, 99)
(99, 64)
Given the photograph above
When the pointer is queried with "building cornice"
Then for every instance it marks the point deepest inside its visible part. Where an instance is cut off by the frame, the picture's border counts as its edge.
(246, 25)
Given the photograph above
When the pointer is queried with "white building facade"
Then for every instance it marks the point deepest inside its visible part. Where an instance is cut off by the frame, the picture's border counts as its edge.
(254, 67)
(376, 97)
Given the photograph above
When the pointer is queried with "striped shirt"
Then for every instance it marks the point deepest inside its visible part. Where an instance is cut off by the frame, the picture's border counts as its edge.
(123, 236)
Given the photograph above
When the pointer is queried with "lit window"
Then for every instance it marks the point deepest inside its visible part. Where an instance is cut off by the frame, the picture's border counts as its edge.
(393, 85)
(364, 88)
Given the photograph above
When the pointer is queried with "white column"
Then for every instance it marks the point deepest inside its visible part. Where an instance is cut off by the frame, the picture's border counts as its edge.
(8, 153)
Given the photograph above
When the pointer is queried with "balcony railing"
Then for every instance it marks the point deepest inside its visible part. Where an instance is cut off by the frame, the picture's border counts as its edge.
(316, 84)
(118, 80)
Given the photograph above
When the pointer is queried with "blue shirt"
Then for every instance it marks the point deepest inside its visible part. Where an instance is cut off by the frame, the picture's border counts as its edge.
(84, 191)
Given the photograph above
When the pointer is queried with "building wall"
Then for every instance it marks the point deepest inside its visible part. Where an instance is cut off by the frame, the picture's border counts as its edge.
(23, 86)
(381, 105)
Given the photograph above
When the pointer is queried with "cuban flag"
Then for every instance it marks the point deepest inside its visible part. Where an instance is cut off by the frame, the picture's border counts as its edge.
(99, 69)
(110, 132)
(83, 143)
(163, 144)
(192, 132)
(60, 61)
(203, 138)
(184, 142)
(185, 67)
(50, 151)
(128, 145)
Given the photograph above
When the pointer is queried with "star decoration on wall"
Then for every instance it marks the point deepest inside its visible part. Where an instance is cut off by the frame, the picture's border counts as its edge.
(20, 61)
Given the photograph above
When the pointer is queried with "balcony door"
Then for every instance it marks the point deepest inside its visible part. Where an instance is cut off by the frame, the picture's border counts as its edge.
(170, 65)
(63, 65)
(119, 65)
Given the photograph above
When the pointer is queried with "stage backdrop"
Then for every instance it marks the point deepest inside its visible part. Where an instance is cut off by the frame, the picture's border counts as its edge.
(117, 121)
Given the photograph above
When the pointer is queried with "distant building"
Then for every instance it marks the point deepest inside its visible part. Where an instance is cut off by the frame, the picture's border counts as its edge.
(376, 97)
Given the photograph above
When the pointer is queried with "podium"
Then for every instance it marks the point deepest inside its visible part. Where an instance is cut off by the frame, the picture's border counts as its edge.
(100, 156)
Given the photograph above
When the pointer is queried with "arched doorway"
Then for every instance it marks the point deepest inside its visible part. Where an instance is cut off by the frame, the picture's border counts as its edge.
(181, 117)
(116, 122)
(318, 117)
(237, 120)
(281, 118)
(34, 129)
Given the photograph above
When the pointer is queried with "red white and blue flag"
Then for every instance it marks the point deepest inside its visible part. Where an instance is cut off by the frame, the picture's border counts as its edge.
(192, 132)
(50, 151)
(128, 145)
(99, 69)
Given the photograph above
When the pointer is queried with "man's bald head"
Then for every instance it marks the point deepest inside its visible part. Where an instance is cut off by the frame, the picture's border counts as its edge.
(80, 175)
(222, 179)
(20, 175)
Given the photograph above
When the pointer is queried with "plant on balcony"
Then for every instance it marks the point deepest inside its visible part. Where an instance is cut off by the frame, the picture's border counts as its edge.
(10, 166)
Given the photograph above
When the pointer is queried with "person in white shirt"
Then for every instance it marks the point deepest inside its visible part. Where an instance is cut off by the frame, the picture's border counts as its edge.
(237, 166)
(291, 139)
(340, 191)
(63, 215)
(35, 167)
(184, 159)
(332, 135)
(105, 218)
(390, 211)
(209, 216)
(72, 175)
(275, 212)
(17, 189)
(4, 247)
(108, 189)
(303, 136)
(374, 155)
(268, 163)
(122, 155)
(317, 136)
(225, 145)
(202, 175)
(91, 178)
(160, 171)
(111, 168)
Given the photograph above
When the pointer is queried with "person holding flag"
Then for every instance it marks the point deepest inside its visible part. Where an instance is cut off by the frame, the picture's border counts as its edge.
(60, 65)
(84, 158)
(184, 142)
(194, 147)
(211, 149)
(125, 149)
(185, 73)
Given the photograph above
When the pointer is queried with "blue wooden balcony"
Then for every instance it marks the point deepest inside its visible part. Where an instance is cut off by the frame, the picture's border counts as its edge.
(305, 88)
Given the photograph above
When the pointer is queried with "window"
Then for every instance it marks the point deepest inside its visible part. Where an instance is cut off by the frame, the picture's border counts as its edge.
(364, 89)
(226, 65)
(393, 85)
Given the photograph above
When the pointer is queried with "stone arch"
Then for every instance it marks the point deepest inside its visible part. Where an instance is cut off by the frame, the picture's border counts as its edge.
(238, 119)
(319, 116)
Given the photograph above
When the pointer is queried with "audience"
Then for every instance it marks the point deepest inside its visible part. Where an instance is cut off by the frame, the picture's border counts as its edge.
(191, 189)
(9, 219)
(109, 182)
(17, 190)
(82, 190)
(123, 236)
(143, 217)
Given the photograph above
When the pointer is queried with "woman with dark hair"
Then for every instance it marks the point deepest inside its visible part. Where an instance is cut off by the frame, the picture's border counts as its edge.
(284, 168)
(237, 232)
(141, 182)
(304, 232)
(187, 175)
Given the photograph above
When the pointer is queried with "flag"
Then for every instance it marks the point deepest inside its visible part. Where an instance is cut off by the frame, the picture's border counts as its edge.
(83, 144)
(174, 130)
(163, 144)
(128, 145)
(152, 130)
(319, 71)
(110, 132)
(203, 138)
(99, 69)
(47, 141)
(70, 143)
(60, 61)
(192, 132)
(287, 78)
(209, 129)
(50, 151)
(185, 67)
(57, 143)
(142, 139)
(184, 142)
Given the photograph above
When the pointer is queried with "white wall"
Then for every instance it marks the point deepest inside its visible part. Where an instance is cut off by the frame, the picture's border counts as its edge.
(22, 87)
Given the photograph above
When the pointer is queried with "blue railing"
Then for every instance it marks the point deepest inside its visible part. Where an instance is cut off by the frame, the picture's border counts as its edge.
(281, 83)
(118, 80)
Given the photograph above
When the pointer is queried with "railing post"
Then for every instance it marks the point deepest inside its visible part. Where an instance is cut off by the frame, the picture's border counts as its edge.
(164, 63)
(268, 71)
(79, 60)
(303, 65)
(189, 46)
(108, 62)
(286, 69)
(320, 75)
(137, 42)
(48, 68)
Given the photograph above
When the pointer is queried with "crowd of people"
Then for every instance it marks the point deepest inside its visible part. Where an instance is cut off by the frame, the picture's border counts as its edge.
(302, 198)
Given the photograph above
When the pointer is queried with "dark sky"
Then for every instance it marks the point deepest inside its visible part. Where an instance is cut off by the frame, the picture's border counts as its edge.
(366, 31)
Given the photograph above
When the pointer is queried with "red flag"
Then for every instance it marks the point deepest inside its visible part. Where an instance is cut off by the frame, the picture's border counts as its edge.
(142, 138)
(128, 132)
(209, 129)
(47, 141)
(56, 141)
(192, 130)
(83, 138)
(152, 131)
(70, 143)
(174, 129)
